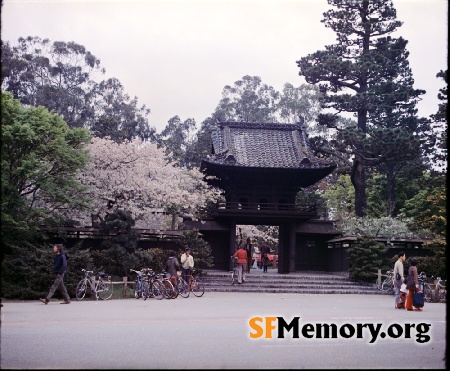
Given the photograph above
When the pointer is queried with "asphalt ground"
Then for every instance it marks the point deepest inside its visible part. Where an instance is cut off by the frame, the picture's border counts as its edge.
(214, 332)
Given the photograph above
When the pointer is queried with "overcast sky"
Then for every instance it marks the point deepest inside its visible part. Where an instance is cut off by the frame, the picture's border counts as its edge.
(176, 56)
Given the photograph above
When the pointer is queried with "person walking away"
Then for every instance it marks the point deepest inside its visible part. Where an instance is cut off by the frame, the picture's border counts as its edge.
(412, 284)
(59, 269)
(265, 262)
(265, 250)
(248, 248)
(241, 255)
(398, 279)
(255, 257)
(172, 266)
(187, 264)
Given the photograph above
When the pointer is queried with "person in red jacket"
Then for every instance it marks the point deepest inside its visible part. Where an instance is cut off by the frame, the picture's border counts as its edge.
(241, 255)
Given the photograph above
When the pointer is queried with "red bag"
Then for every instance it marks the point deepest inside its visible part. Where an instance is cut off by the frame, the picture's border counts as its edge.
(401, 303)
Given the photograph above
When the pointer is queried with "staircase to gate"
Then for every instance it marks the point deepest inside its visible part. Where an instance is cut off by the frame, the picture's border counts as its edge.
(295, 282)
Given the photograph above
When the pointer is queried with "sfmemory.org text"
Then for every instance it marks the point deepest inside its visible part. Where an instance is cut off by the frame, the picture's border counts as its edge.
(270, 327)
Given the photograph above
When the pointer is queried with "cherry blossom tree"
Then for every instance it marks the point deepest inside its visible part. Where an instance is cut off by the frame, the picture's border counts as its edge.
(135, 176)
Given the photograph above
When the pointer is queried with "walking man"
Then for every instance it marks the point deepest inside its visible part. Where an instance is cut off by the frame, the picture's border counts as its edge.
(59, 269)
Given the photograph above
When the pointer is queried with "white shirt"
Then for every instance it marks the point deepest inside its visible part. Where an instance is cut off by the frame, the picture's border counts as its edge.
(187, 262)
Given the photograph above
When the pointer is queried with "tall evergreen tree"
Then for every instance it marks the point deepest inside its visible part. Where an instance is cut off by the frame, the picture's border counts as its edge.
(366, 73)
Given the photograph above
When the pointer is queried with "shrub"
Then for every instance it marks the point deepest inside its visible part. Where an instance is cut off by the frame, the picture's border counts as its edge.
(365, 257)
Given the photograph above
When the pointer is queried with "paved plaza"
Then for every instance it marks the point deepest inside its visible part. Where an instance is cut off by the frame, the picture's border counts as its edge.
(214, 332)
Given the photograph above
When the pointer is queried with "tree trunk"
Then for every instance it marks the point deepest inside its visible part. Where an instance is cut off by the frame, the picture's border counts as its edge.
(390, 189)
(174, 221)
(358, 177)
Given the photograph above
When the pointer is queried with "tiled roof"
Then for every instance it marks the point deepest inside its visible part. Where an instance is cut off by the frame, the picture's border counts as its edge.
(258, 145)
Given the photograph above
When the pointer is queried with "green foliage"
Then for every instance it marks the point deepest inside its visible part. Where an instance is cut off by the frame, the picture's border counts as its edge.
(365, 258)
(366, 73)
(27, 271)
(436, 264)
(386, 227)
(200, 249)
(177, 140)
(60, 77)
(116, 255)
(309, 198)
(40, 158)
(340, 198)
(439, 158)
(427, 209)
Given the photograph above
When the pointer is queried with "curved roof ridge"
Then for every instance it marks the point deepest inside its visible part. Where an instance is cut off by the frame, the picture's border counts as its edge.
(259, 125)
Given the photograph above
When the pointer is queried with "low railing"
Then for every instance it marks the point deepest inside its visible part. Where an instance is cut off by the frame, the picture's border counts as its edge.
(278, 208)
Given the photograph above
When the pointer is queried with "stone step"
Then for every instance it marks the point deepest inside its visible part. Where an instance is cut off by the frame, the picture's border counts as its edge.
(243, 288)
(292, 286)
(295, 283)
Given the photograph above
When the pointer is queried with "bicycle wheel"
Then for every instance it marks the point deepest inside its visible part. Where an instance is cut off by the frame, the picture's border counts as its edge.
(105, 289)
(387, 285)
(183, 288)
(81, 290)
(436, 294)
(169, 290)
(145, 290)
(197, 287)
(157, 290)
(137, 289)
(428, 294)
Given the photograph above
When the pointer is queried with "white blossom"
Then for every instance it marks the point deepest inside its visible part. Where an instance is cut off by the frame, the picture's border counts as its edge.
(135, 176)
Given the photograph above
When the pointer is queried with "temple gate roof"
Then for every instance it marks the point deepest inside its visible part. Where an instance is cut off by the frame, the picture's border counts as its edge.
(263, 146)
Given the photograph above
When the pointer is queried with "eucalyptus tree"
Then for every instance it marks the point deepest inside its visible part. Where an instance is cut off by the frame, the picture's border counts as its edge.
(178, 140)
(248, 100)
(54, 75)
(365, 74)
(116, 115)
(295, 102)
(67, 78)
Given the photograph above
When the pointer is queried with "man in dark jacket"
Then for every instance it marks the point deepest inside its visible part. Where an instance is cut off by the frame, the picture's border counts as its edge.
(172, 265)
(59, 268)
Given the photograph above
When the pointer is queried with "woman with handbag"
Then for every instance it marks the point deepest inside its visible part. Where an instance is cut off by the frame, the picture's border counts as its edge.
(412, 284)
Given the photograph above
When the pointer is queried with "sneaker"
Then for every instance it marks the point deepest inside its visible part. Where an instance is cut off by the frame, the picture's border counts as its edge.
(45, 301)
(65, 302)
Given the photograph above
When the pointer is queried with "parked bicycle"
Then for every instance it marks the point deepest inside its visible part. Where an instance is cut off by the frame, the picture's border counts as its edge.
(438, 292)
(180, 286)
(102, 287)
(168, 288)
(155, 287)
(196, 286)
(140, 285)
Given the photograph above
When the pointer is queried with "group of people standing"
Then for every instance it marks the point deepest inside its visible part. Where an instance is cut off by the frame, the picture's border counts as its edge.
(244, 256)
(411, 282)
(187, 264)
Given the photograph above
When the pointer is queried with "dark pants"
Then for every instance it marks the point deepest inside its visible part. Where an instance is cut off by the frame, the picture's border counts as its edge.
(186, 275)
(58, 284)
